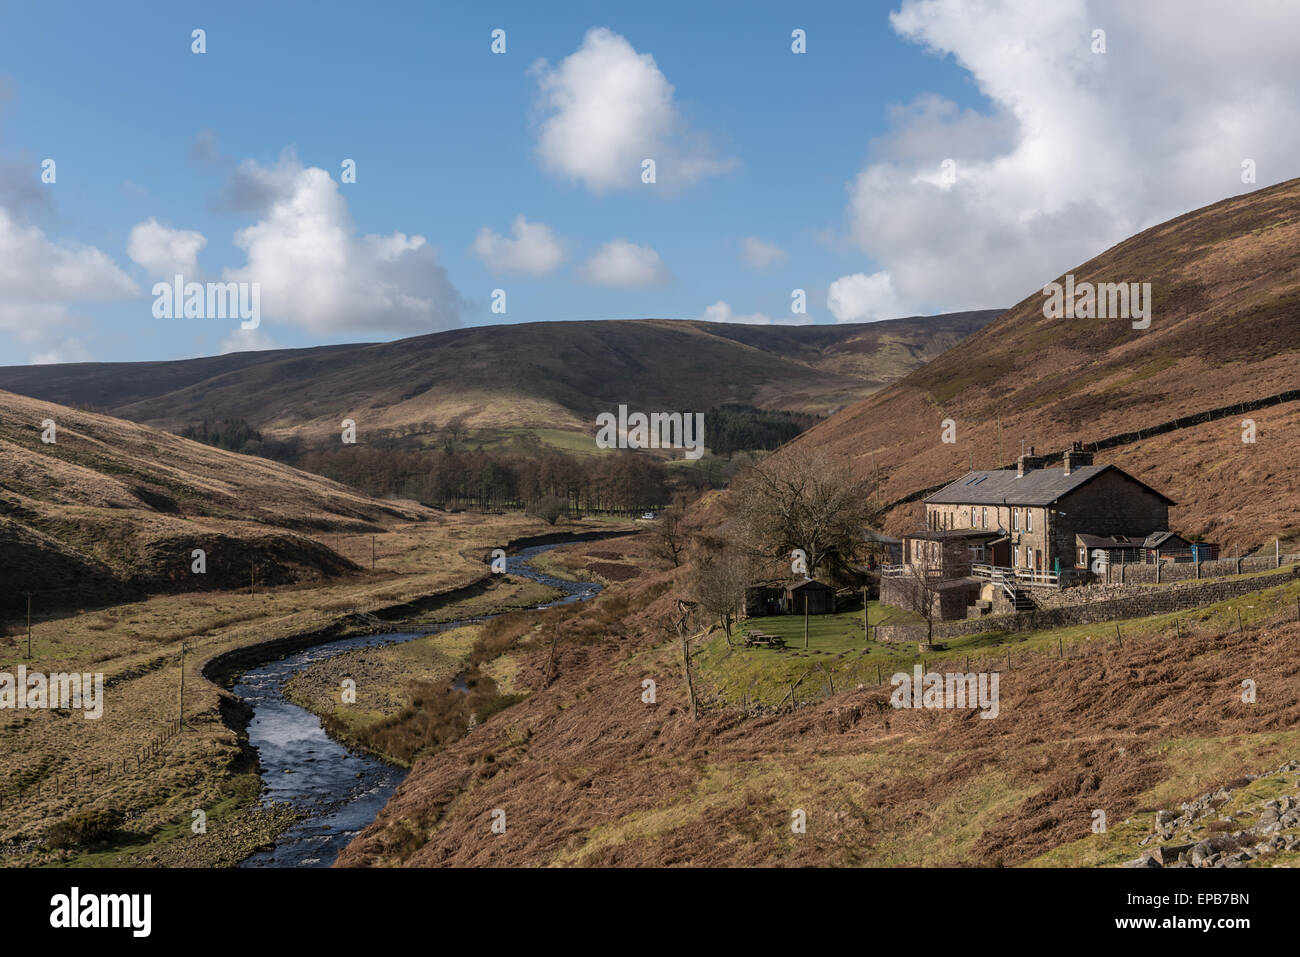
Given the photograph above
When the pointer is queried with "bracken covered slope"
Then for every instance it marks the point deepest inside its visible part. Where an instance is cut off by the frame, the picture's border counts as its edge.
(1225, 328)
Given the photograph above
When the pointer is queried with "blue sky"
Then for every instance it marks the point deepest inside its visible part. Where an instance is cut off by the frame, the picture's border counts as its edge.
(831, 156)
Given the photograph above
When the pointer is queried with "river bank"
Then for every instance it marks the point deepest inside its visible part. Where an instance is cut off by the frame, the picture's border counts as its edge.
(144, 813)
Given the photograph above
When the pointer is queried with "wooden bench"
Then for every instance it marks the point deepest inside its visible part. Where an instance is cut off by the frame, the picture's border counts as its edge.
(759, 639)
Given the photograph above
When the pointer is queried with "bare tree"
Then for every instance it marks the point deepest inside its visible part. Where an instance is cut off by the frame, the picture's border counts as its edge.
(681, 624)
(802, 499)
(921, 588)
(721, 581)
(668, 540)
(549, 508)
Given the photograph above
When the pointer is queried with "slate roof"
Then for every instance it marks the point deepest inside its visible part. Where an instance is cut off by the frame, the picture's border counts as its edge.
(807, 583)
(1039, 487)
(1111, 541)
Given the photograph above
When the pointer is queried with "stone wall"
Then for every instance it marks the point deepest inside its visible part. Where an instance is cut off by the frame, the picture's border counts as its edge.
(1151, 601)
(1184, 571)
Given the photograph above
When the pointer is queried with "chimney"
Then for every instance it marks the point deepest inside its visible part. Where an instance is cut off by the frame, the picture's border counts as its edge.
(1028, 462)
(1075, 457)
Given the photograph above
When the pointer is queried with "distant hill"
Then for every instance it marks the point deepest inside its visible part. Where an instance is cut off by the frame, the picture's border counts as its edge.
(540, 375)
(113, 510)
(1225, 329)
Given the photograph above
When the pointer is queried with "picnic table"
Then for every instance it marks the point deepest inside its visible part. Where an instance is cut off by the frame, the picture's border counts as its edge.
(760, 639)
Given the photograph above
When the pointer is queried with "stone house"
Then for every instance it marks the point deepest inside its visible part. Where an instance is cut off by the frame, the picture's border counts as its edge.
(1037, 514)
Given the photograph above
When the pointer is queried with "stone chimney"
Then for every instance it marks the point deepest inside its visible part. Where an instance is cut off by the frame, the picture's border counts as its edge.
(1028, 462)
(1076, 457)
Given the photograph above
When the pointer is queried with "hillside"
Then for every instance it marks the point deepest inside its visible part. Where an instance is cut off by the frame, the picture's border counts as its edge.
(112, 509)
(1225, 328)
(542, 375)
(589, 773)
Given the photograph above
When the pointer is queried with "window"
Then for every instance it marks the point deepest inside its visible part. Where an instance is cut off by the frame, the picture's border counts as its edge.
(1083, 558)
(972, 516)
(1029, 519)
(1015, 519)
(985, 522)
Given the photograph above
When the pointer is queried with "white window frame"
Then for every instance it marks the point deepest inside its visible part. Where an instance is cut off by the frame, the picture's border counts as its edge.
(1029, 520)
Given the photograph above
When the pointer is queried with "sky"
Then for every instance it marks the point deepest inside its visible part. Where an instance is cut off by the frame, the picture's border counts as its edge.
(886, 159)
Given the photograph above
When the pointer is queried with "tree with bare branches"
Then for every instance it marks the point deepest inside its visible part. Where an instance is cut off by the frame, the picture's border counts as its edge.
(668, 540)
(721, 580)
(801, 499)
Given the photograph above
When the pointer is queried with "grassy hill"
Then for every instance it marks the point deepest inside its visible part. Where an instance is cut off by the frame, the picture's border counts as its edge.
(1225, 328)
(112, 509)
(539, 376)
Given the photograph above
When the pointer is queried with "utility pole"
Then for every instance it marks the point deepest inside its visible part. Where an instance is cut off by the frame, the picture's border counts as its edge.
(866, 620)
(180, 698)
(29, 626)
(805, 621)
(372, 553)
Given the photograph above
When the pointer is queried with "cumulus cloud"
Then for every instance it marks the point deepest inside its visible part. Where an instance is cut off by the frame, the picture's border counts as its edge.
(1076, 150)
(760, 254)
(316, 273)
(534, 250)
(247, 340)
(69, 350)
(165, 251)
(606, 109)
(721, 311)
(621, 263)
(863, 298)
(40, 280)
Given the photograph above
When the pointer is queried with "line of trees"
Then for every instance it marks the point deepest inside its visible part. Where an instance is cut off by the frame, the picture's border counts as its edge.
(623, 482)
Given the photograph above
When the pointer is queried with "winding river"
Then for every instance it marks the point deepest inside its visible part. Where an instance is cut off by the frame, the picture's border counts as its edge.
(340, 790)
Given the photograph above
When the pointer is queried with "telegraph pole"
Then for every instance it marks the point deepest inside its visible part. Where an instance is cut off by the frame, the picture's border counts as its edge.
(29, 626)
(180, 698)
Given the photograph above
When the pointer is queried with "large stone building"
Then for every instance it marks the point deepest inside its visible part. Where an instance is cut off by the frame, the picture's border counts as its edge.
(1037, 514)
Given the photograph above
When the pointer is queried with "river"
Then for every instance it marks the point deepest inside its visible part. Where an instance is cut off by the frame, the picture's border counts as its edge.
(340, 790)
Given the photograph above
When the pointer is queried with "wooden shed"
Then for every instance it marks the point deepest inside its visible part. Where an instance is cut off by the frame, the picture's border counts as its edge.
(817, 597)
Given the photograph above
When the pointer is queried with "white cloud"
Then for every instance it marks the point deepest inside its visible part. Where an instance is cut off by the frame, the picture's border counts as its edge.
(721, 311)
(621, 263)
(533, 250)
(316, 273)
(1076, 150)
(40, 280)
(165, 251)
(246, 340)
(760, 254)
(69, 350)
(863, 298)
(607, 108)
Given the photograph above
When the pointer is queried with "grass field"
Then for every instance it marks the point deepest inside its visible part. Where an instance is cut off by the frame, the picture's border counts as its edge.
(839, 655)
